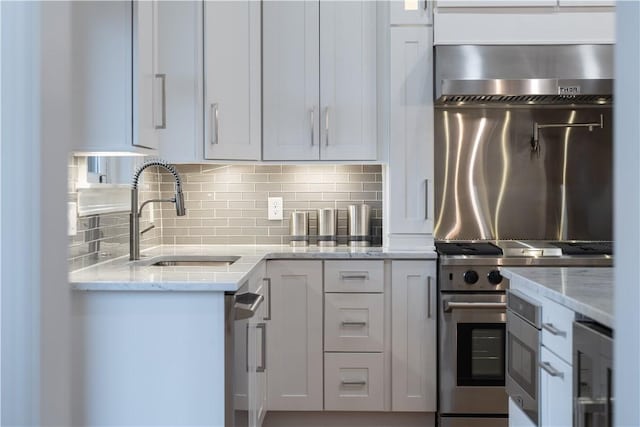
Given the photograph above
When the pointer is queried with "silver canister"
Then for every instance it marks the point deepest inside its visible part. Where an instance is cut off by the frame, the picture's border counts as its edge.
(299, 228)
(327, 227)
(358, 225)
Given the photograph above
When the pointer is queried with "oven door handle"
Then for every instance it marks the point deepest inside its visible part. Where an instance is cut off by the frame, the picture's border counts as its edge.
(449, 306)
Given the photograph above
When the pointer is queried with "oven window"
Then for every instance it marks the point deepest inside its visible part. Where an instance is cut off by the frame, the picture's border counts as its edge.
(523, 365)
(481, 359)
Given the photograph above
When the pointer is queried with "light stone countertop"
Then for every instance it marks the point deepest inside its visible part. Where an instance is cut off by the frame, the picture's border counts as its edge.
(588, 291)
(120, 274)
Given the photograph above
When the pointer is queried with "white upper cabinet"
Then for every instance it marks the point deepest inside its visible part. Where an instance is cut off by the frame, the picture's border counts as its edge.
(319, 77)
(496, 3)
(411, 12)
(149, 112)
(524, 22)
(180, 59)
(411, 143)
(114, 76)
(291, 74)
(348, 80)
(232, 80)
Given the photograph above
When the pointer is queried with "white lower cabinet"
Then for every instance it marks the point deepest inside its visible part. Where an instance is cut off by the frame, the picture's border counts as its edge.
(556, 393)
(257, 363)
(372, 347)
(294, 336)
(353, 381)
(413, 336)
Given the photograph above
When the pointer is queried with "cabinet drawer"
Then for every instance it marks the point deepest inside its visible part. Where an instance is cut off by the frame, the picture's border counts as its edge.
(353, 322)
(353, 382)
(354, 276)
(557, 329)
(556, 392)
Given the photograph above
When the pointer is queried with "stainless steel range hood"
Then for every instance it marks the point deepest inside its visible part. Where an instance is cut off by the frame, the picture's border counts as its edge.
(530, 75)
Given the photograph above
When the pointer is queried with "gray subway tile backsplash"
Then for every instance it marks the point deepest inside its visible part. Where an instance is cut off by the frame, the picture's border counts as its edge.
(227, 204)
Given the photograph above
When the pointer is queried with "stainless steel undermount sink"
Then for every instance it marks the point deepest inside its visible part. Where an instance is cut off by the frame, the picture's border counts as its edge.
(194, 261)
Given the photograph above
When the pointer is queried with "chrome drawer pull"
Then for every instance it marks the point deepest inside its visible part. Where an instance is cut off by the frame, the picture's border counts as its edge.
(353, 383)
(551, 370)
(554, 331)
(354, 323)
(263, 353)
(354, 276)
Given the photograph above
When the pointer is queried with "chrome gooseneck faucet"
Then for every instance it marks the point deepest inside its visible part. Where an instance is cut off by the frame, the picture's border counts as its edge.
(134, 217)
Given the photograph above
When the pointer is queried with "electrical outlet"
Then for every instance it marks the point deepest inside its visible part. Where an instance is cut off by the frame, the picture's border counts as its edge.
(72, 219)
(275, 208)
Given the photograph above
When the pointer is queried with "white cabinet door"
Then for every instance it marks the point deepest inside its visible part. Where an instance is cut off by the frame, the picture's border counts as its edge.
(294, 336)
(102, 69)
(148, 114)
(587, 3)
(348, 80)
(496, 3)
(257, 365)
(413, 336)
(413, 12)
(180, 41)
(411, 121)
(232, 80)
(291, 73)
(556, 393)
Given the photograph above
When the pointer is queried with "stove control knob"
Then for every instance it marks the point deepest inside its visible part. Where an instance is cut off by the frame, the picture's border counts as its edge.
(470, 277)
(494, 277)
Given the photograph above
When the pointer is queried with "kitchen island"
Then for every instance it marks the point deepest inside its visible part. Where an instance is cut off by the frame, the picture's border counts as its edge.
(568, 298)
(587, 291)
(149, 341)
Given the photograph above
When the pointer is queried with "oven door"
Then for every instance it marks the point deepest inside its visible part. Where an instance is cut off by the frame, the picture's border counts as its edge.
(472, 348)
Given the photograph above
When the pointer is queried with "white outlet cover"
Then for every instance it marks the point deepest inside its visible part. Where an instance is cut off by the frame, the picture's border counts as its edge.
(274, 207)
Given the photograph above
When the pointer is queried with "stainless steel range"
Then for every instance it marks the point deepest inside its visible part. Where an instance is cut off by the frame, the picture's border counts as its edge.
(472, 316)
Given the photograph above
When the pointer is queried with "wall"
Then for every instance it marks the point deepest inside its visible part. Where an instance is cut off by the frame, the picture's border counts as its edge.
(227, 204)
(627, 217)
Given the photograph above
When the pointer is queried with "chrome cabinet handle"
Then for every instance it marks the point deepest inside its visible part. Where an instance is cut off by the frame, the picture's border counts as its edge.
(428, 297)
(354, 323)
(426, 199)
(554, 331)
(215, 121)
(313, 117)
(449, 306)
(263, 353)
(551, 370)
(354, 276)
(353, 383)
(268, 316)
(246, 348)
(326, 125)
(426, 4)
(163, 79)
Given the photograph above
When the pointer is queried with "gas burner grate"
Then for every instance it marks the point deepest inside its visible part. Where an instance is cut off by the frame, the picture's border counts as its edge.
(585, 248)
(467, 248)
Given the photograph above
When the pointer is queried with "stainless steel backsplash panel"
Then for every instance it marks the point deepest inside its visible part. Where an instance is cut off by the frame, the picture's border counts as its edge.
(489, 184)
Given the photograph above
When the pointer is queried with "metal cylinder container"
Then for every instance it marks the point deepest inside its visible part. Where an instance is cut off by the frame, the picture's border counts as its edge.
(299, 228)
(327, 227)
(359, 225)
